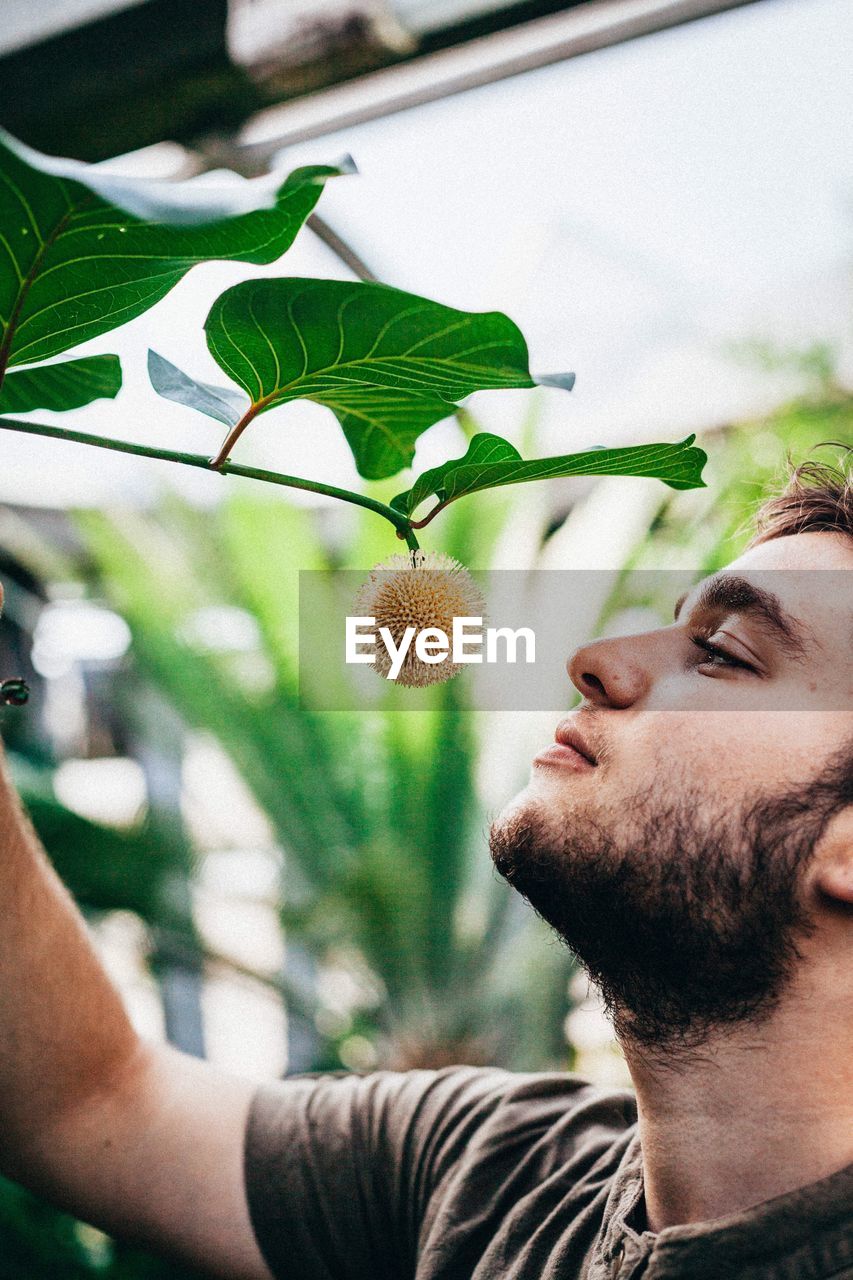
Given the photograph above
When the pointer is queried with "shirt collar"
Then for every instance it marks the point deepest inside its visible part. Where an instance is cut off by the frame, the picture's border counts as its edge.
(806, 1234)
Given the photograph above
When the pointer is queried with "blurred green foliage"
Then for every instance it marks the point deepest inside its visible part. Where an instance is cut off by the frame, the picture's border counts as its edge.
(39, 1243)
(706, 529)
(377, 814)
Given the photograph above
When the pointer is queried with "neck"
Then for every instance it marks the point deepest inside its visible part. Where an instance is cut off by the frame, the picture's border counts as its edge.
(757, 1112)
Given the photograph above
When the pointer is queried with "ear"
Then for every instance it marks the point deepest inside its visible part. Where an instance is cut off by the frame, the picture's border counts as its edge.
(833, 870)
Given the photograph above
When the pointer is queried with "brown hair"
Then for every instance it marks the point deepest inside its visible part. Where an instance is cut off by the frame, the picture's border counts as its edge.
(818, 497)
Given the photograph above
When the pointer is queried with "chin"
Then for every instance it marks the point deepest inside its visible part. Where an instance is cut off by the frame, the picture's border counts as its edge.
(528, 809)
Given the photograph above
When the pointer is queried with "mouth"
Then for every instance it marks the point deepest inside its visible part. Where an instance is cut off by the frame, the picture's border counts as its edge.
(569, 749)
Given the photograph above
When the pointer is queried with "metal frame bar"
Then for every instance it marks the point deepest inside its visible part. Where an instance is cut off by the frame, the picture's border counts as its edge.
(539, 43)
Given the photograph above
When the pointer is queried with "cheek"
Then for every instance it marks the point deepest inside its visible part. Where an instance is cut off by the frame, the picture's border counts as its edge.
(725, 754)
(774, 749)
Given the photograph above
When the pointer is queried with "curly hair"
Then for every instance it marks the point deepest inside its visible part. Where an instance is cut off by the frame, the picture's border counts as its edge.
(818, 497)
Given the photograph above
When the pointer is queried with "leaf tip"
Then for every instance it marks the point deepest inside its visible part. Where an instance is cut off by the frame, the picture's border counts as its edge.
(346, 165)
(565, 381)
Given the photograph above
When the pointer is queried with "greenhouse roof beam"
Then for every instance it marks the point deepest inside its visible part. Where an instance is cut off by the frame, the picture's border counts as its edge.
(538, 43)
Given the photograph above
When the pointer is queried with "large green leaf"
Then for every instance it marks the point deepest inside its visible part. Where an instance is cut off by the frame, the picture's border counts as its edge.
(388, 364)
(66, 385)
(74, 263)
(491, 461)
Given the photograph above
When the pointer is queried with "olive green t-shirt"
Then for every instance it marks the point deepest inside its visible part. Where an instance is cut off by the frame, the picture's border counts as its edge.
(481, 1174)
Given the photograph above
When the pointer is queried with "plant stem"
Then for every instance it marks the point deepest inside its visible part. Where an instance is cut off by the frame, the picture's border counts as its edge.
(430, 515)
(409, 534)
(233, 436)
(396, 518)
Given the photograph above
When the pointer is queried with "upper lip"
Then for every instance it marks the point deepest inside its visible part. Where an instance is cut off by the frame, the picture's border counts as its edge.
(568, 736)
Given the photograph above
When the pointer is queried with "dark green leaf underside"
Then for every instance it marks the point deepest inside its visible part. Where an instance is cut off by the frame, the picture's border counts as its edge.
(73, 266)
(66, 385)
(491, 461)
(388, 364)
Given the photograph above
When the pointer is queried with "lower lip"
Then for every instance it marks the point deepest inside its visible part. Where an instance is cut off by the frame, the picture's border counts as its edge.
(566, 757)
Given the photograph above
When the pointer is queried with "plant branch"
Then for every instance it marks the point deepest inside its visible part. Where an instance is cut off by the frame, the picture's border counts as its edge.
(401, 524)
(339, 247)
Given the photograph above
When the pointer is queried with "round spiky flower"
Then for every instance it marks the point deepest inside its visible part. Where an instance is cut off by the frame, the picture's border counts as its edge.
(420, 590)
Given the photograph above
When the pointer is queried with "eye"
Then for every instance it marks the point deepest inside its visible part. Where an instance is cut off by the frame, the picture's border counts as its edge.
(717, 656)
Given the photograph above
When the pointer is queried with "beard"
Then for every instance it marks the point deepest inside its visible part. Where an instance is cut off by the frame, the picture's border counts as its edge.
(689, 922)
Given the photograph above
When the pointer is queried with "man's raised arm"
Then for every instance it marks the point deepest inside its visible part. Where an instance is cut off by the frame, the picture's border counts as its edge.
(140, 1140)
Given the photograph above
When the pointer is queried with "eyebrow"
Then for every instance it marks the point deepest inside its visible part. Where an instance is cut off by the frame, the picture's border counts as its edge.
(739, 595)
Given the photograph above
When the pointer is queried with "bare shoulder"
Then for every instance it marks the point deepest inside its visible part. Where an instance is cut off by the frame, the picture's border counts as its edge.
(158, 1158)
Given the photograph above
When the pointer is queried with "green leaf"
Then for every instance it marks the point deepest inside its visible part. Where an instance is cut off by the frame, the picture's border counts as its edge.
(491, 461)
(74, 265)
(67, 385)
(388, 364)
(222, 403)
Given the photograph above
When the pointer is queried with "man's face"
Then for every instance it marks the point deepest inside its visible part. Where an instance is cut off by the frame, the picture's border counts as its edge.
(673, 859)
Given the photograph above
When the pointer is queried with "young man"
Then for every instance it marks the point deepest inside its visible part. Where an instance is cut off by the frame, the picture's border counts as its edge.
(690, 834)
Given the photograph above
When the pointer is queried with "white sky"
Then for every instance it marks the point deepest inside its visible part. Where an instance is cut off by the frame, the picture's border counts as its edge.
(636, 211)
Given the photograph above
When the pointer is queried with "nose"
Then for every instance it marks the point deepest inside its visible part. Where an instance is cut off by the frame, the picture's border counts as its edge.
(609, 673)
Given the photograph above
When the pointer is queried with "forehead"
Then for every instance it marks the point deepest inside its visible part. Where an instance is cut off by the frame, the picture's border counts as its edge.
(806, 551)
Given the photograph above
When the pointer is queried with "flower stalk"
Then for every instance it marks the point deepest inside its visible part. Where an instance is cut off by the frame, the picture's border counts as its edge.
(400, 522)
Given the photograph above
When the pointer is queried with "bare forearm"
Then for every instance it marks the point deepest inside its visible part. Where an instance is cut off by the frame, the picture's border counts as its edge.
(136, 1138)
(64, 1033)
